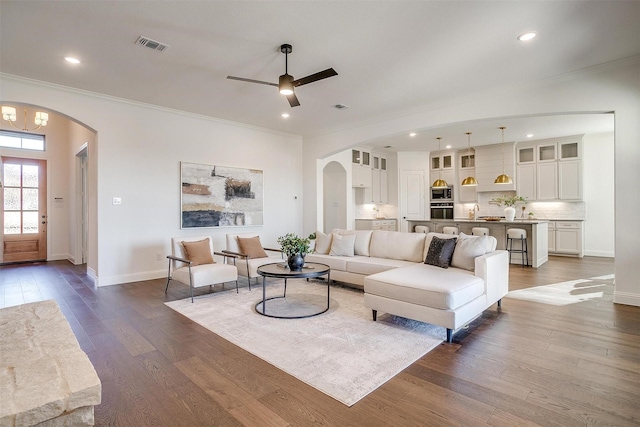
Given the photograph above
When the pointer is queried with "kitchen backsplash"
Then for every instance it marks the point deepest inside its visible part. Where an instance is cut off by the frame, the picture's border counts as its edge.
(368, 211)
(541, 210)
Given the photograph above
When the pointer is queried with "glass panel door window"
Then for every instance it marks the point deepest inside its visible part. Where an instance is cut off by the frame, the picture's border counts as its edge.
(21, 198)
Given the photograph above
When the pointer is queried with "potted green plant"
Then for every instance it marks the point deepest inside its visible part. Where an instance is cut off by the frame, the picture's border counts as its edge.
(509, 202)
(295, 247)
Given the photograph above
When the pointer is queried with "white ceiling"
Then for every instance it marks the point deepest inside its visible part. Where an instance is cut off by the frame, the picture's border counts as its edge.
(391, 56)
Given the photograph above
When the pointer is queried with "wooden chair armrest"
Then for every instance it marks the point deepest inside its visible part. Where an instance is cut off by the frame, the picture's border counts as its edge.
(175, 258)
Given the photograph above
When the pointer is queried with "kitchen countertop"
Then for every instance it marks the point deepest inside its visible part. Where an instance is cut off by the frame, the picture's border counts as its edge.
(481, 221)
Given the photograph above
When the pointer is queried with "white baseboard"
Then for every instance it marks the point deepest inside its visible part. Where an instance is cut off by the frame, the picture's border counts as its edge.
(58, 257)
(92, 275)
(128, 278)
(603, 254)
(626, 298)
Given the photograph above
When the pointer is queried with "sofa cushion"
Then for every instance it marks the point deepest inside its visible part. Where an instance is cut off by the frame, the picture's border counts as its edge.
(342, 245)
(397, 245)
(426, 285)
(440, 252)
(323, 243)
(470, 247)
(198, 252)
(252, 247)
(429, 236)
(363, 240)
(335, 262)
(368, 265)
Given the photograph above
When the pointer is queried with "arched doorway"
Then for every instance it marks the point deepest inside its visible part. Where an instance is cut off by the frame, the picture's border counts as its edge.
(334, 182)
(70, 156)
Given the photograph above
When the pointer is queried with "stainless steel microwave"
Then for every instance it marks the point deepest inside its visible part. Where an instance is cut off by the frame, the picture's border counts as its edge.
(442, 194)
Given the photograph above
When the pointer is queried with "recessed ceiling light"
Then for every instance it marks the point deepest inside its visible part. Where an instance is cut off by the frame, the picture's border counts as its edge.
(527, 36)
(529, 135)
(285, 115)
(72, 60)
(447, 146)
(412, 134)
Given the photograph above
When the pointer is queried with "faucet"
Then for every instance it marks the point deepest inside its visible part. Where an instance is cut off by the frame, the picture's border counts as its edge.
(475, 212)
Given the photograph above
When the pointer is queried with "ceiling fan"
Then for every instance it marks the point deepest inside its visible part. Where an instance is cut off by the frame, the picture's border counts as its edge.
(286, 83)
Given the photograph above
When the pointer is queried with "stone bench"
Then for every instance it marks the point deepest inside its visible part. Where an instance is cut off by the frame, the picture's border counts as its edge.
(45, 377)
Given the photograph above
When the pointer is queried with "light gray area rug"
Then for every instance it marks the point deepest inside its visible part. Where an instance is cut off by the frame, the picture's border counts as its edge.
(565, 293)
(342, 352)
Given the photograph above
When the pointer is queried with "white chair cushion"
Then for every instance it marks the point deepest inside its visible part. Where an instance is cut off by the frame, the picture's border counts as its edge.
(206, 274)
(426, 285)
(254, 263)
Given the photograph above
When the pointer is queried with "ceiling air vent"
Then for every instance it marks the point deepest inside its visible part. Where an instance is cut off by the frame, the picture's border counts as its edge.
(341, 106)
(151, 44)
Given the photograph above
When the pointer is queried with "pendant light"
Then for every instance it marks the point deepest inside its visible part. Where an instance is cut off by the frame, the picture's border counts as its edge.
(469, 181)
(439, 183)
(504, 178)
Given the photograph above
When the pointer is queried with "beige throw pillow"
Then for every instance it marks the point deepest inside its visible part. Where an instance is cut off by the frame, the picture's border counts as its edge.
(342, 245)
(323, 243)
(198, 252)
(468, 248)
(252, 247)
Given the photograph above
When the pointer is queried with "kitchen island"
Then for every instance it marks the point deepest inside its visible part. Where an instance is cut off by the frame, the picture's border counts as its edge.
(537, 234)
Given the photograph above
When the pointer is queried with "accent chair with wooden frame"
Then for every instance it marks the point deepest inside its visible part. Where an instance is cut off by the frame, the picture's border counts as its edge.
(190, 270)
(246, 262)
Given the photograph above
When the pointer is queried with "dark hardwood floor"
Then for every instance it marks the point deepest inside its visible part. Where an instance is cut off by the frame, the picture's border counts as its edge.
(526, 364)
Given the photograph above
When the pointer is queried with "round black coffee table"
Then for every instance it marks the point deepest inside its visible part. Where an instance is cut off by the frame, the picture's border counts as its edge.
(311, 270)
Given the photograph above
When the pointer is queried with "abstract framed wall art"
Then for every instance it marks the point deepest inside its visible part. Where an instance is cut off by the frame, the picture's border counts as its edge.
(220, 196)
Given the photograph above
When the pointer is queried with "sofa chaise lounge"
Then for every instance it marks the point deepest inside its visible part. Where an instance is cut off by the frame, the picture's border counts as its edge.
(389, 266)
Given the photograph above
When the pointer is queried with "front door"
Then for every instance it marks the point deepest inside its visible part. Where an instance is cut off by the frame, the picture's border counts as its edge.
(24, 209)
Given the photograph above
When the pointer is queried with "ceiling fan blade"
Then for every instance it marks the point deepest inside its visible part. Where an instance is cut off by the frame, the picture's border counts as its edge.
(293, 100)
(329, 72)
(242, 79)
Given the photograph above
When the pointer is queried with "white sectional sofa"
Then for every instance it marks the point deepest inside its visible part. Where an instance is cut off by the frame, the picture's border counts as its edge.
(389, 266)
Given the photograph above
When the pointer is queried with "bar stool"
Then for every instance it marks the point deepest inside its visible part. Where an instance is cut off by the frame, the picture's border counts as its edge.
(450, 230)
(422, 229)
(479, 231)
(518, 234)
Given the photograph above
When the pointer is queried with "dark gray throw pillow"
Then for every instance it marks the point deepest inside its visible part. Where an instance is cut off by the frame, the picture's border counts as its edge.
(440, 252)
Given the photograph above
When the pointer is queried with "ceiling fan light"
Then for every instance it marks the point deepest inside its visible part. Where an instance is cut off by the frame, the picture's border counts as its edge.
(503, 179)
(285, 84)
(469, 182)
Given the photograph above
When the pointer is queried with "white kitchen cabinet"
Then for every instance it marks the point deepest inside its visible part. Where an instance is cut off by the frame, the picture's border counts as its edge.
(361, 177)
(569, 238)
(552, 236)
(547, 181)
(442, 160)
(526, 181)
(570, 180)
(466, 168)
(376, 224)
(361, 157)
(379, 181)
(558, 175)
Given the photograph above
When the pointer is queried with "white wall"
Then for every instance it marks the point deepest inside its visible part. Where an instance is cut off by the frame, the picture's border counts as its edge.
(610, 87)
(139, 149)
(598, 166)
